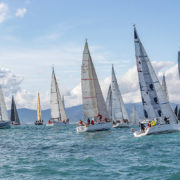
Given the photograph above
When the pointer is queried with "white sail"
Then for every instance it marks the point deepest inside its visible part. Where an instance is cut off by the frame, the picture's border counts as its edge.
(92, 97)
(134, 118)
(154, 99)
(164, 86)
(3, 110)
(109, 102)
(179, 63)
(118, 108)
(57, 108)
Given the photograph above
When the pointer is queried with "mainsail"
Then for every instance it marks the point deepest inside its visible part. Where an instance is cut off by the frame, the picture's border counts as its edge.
(118, 108)
(179, 63)
(92, 97)
(57, 109)
(154, 99)
(14, 113)
(134, 118)
(3, 110)
(39, 114)
(164, 86)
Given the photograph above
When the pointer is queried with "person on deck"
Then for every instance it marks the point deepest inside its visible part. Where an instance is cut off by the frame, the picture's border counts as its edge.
(92, 122)
(166, 120)
(80, 123)
(88, 121)
(142, 127)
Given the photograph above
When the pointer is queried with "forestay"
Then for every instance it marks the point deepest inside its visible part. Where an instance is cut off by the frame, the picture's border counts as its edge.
(92, 97)
(154, 98)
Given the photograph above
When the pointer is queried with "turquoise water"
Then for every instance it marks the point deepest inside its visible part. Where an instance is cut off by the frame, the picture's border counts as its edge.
(39, 152)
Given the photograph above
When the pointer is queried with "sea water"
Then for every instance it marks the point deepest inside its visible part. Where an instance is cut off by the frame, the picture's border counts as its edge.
(40, 152)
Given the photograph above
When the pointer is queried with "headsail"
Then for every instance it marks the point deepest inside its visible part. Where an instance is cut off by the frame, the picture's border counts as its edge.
(14, 113)
(3, 110)
(57, 108)
(92, 97)
(118, 108)
(164, 86)
(109, 102)
(39, 114)
(134, 118)
(155, 102)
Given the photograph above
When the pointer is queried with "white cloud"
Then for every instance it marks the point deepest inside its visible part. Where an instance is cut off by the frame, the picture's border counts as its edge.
(3, 11)
(21, 12)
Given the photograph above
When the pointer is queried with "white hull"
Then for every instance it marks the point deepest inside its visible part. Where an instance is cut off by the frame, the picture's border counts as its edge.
(56, 124)
(95, 127)
(163, 128)
(4, 124)
(121, 125)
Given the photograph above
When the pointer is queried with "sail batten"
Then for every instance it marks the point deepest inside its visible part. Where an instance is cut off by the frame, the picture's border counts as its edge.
(92, 97)
(154, 99)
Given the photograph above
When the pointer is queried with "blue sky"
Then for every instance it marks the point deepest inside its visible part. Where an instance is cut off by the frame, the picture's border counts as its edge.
(52, 32)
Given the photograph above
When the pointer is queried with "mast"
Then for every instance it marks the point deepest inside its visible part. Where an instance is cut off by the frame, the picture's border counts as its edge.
(164, 86)
(92, 97)
(39, 114)
(179, 63)
(118, 107)
(154, 99)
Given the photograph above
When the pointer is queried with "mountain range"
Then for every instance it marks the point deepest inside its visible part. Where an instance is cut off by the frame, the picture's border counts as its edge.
(74, 113)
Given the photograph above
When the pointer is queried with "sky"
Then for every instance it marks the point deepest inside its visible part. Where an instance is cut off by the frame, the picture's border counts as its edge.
(36, 35)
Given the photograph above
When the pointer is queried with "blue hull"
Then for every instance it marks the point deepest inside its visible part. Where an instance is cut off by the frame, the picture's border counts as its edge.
(4, 124)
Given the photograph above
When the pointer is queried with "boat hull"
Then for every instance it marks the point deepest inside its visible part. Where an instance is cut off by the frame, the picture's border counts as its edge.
(56, 124)
(95, 127)
(4, 124)
(163, 128)
(38, 123)
(121, 125)
(15, 124)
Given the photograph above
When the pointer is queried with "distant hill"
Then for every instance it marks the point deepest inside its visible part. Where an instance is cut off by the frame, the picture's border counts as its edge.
(74, 113)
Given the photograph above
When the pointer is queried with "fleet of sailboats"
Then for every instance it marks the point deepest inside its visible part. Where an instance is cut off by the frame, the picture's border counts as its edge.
(96, 116)
(100, 115)
(115, 104)
(58, 114)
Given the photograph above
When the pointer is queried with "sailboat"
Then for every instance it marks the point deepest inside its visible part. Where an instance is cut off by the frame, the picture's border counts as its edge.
(179, 63)
(58, 114)
(159, 116)
(134, 118)
(115, 104)
(39, 120)
(94, 106)
(14, 114)
(164, 86)
(4, 119)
